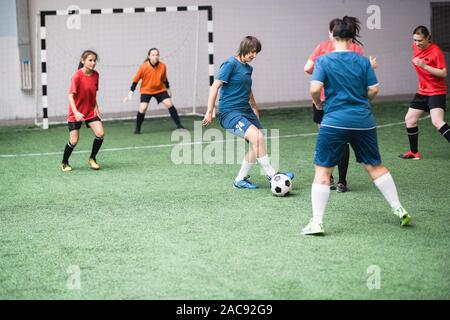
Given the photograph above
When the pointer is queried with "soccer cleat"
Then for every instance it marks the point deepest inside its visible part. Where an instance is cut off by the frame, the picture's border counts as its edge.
(244, 184)
(93, 163)
(180, 127)
(290, 175)
(137, 131)
(340, 188)
(313, 228)
(410, 155)
(65, 167)
(332, 185)
(403, 215)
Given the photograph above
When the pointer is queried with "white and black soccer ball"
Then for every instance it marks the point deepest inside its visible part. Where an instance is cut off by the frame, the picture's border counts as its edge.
(280, 185)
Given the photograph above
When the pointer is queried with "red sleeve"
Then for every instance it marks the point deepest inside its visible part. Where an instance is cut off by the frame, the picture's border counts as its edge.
(318, 51)
(74, 84)
(440, 59)
(98, 79)
(359, 50)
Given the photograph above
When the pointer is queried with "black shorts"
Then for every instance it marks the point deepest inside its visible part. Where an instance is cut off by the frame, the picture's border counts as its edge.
(159, 97)
(77, 125)
(317, 114)
(426, 103)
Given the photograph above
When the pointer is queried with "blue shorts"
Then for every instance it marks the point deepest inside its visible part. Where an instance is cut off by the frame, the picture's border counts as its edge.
(238, 123)
(331, 142)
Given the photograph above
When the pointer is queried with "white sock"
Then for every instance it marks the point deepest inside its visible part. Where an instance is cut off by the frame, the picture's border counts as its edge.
(319, 198)
(386, 185)
(265, 164)
(245, 168)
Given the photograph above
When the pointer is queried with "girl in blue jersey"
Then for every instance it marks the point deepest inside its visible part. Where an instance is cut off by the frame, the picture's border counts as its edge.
(238, 111)
(350, 83)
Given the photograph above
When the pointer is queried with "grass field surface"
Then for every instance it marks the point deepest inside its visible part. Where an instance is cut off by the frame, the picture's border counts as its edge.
(145, 228)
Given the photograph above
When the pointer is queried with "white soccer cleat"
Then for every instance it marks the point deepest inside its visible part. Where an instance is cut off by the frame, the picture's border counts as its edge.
(313, 228)
(403, 215)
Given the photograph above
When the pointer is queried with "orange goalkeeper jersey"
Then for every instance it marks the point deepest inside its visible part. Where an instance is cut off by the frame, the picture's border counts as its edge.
(154, 79)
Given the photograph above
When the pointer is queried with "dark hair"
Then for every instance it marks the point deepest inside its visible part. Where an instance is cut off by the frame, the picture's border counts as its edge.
(149, 51)
(422, 30)
(85, 54)
(347, 27)
(248, 45)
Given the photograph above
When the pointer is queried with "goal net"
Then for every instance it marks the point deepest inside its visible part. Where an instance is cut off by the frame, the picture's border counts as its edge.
(122, 37)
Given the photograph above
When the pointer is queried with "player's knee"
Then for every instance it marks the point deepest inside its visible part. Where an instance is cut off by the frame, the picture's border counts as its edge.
(73, 142)
(143, 109)
(410, 121)
(260, 138)
(322, 179)
(100, 134)
(437, 123)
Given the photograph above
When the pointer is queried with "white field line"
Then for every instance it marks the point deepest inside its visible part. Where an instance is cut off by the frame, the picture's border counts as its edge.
(170, 145)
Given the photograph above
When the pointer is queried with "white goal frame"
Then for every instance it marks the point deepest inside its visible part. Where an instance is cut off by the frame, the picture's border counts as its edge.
(41, 51)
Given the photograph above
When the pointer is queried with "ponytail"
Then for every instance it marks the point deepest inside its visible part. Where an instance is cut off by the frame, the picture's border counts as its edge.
(346, 28)
(356, 26)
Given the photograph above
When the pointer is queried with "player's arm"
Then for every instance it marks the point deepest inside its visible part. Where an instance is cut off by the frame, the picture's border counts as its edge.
(130, 92)
(372, 91)
(212, 101)
(254, 105)
(440, 73)
(314, 89)
(78, 115)
(373, 62)
(134, 84)
(309, 67)
(97, 110)
(167, 85)
(372, 82)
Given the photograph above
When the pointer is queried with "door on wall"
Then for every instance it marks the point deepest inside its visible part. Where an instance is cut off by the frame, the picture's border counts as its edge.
(440, 29)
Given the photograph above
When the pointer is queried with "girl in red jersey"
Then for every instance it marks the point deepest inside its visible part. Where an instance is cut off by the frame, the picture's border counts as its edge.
(154, 84)
(323, 48)
(429, 62)
(83, 107)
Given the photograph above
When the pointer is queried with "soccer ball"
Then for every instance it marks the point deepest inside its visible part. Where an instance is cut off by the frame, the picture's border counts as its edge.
(280, 185)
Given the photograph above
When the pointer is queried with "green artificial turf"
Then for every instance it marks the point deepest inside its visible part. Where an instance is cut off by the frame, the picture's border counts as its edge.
(145, 228)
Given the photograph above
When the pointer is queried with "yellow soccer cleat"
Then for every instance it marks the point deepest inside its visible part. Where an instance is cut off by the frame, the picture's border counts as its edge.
(93, 163)
(65, 167)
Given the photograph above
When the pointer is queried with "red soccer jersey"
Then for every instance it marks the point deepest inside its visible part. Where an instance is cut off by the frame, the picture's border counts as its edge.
(326, 47)
(85, 89)
(430, 85)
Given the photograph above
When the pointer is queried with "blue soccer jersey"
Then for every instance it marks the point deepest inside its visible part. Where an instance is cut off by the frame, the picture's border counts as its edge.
(346, 76)
(237, 85)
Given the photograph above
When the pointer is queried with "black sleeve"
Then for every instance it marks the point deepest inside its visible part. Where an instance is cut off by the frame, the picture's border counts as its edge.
(167, 84)
(133, 86)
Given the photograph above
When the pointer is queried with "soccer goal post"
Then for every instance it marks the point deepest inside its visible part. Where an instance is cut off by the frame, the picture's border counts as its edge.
(122, 38)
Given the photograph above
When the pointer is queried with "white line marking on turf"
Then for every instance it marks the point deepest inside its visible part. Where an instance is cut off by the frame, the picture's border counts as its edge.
(176, 144)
